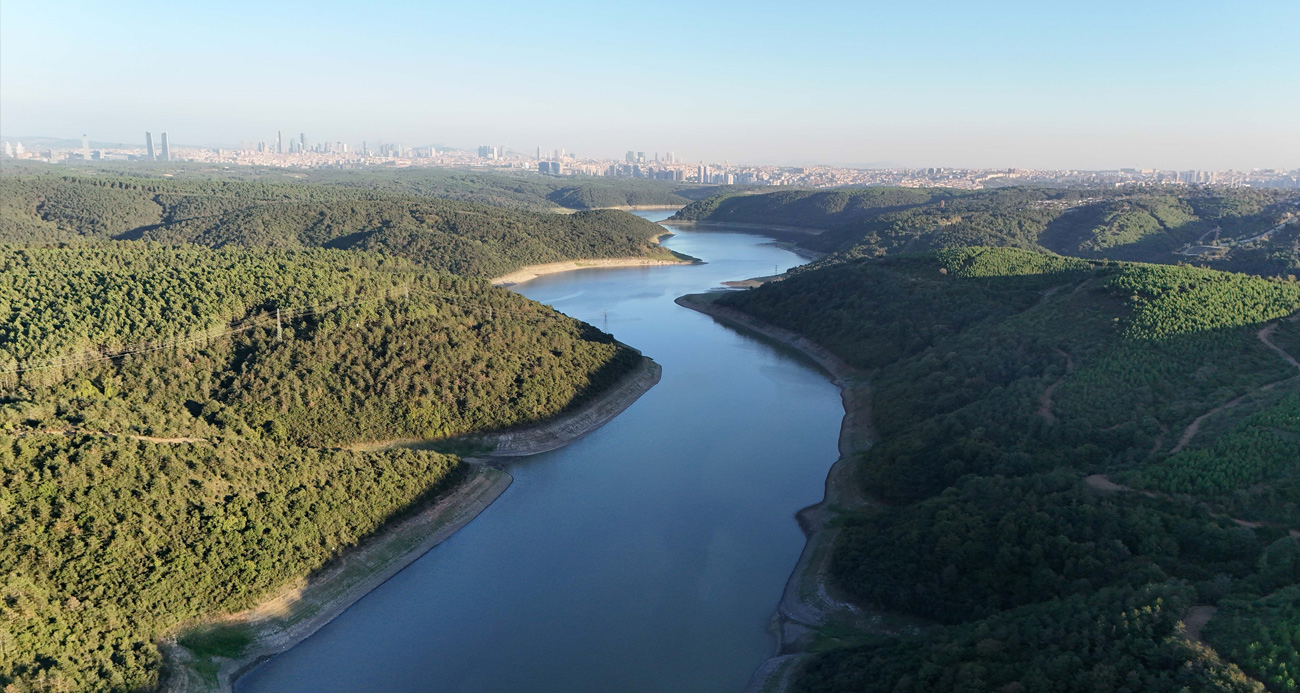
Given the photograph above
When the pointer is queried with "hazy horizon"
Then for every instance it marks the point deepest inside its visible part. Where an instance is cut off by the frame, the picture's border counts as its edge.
(1157, 85)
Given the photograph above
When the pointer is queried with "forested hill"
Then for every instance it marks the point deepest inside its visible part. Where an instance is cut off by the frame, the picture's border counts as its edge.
(514, 190)
(464, 238)
(1238, 229)
(170, 451)
(1003, 381)
(816, 209)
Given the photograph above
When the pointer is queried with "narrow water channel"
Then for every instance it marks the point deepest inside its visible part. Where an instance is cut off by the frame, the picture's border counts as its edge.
(648, 556)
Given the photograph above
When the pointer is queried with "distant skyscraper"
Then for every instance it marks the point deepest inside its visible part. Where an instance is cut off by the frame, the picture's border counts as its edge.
(302, 141)
(85, 147)
(9, 151)
(166, 155)
(279, 142)
(148, 145)
(539, 153)
(631, 157)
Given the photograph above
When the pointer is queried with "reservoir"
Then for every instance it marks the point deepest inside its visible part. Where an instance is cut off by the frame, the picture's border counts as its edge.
(648, 556)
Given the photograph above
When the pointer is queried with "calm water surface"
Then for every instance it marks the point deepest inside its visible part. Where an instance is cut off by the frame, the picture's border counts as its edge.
(648, 556)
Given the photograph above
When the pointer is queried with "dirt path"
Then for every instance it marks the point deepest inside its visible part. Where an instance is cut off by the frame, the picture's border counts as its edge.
(1160, 439)
(1195, 427)
(306, 605)
(168, 441)
(1265, 336)
(1195, 620)
(1045, 408)
(1103, 483)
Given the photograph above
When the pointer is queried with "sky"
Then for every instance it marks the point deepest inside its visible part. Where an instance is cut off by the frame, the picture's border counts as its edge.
(1101, 84)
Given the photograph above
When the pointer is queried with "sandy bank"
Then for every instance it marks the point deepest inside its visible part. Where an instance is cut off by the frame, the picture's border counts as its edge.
(802, 231)
(551, 434)
(534, 271)
(306, 606)
(643, 208)
(567, 428)
(809, 601)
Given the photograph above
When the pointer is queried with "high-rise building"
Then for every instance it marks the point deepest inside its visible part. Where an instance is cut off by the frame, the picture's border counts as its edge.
(85, 147)
(631, 157)
(279, 142)
(302, 141)
(539, 153)
(9, 151)
(148, 145)
(166, 155)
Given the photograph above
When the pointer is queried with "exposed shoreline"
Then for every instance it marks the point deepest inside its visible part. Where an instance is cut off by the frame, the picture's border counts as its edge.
(307, 604)
(808, 600)
(642, 208)
(553, 433)
(800, 230)
(524, 274)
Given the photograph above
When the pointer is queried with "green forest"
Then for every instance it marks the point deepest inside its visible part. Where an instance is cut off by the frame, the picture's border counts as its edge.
(1237, 229)
(171, 450)
(512, 190)
(1006, 382)
(459, 237)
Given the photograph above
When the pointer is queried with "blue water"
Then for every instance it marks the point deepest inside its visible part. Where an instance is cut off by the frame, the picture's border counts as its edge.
(648, 556)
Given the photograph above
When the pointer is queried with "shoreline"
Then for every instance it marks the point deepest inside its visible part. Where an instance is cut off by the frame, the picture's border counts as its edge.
(307, 604)
(569, 428)
(808, 601)
(531, 272)
(642, 208)
(800, 230)
(551, 434)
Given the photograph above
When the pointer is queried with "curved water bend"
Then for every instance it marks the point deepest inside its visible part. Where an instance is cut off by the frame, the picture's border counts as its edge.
(648, 556)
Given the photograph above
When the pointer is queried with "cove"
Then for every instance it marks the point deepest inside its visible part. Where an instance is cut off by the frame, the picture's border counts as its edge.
(648, 556)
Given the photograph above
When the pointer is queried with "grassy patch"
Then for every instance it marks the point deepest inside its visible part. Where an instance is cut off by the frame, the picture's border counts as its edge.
(218, 641)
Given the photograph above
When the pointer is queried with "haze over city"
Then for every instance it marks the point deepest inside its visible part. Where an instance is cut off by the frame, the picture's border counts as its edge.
(1197, 85)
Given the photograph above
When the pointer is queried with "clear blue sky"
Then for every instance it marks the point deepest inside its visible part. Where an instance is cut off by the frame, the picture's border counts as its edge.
(1053, 84)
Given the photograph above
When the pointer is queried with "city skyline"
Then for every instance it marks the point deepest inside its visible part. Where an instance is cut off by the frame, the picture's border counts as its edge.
(303, 154)
(1161, 85)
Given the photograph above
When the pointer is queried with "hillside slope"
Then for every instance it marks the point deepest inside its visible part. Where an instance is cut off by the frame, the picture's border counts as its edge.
(171, 451)
(463, 238)
(1239, 229)
(1001, 379)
